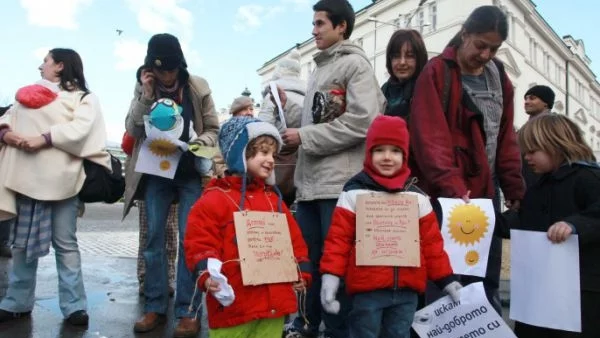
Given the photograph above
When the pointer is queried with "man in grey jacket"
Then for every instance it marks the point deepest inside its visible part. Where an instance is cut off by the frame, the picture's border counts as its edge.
(341, 101)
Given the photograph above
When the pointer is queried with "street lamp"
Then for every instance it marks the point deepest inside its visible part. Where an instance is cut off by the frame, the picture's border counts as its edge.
(393, 24)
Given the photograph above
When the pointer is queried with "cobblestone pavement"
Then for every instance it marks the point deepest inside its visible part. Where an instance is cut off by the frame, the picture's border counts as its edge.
(122, 244)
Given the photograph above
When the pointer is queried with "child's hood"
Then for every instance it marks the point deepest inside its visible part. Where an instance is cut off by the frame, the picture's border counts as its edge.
(390, 130)
(37, 95)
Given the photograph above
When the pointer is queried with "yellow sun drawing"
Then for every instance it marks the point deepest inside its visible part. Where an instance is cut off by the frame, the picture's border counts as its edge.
(472, 257)
(467, 224)
(162, 148)
(164, 165)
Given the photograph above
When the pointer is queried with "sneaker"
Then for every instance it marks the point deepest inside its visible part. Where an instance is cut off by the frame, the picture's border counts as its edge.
(78, 318)
(290, 331)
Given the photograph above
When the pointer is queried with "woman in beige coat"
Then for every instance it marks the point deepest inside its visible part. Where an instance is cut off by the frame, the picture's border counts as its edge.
(53, 125)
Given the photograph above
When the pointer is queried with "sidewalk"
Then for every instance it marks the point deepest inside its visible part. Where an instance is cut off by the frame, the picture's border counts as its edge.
(109, 270)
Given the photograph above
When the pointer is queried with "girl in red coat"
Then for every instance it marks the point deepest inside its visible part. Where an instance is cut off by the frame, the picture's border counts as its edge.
(384, 298)
(236, 310)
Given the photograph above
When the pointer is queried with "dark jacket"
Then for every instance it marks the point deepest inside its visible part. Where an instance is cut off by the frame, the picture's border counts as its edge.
(570, 194)
(449, 148)
(398, 96)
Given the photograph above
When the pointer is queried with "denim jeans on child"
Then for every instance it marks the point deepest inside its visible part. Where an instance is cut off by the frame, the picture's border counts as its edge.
(159, 194)
(314, 219)
(382, 314)
(20, 296)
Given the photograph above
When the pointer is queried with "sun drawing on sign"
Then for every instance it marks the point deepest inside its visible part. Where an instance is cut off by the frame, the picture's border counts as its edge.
(164, 165)
(472, 257)
(162, 148)
(467, 224)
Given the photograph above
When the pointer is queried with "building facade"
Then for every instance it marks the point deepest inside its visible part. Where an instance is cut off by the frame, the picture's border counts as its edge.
(533, 53)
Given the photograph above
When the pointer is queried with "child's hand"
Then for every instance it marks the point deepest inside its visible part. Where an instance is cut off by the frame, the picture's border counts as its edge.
(211, 285)
(466, 197)
(559, 232)
(300, 285)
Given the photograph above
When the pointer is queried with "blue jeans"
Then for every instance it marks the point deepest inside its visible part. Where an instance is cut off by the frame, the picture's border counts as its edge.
(20, 296)
(314, 219)
(382, 314)
(159, 194)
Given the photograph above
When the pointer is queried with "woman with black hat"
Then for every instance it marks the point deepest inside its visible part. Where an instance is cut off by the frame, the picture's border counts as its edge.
(164, 75)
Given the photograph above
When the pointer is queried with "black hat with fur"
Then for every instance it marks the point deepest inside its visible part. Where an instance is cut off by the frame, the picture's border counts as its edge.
(163, 53)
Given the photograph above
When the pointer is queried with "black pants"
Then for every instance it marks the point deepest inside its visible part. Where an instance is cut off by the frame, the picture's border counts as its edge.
(5, 227)
(590, 322)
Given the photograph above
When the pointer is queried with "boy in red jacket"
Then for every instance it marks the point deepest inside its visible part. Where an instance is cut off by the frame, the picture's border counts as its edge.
(384, 298)
(236, 310)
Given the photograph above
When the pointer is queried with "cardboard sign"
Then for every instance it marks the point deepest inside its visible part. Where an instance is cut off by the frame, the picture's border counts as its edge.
(265, 248)
(387, 230)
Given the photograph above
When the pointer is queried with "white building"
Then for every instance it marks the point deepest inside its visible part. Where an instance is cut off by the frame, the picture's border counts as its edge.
(533, 53)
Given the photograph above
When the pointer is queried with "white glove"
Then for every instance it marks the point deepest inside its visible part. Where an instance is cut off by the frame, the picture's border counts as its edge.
(329, 287)
(225, 296)
(453, 290)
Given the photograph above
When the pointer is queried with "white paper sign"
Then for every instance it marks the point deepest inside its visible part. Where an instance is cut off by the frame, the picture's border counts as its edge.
(275, 94)
(159, 154)
(544, 281)
(472, 316)
(467, 230)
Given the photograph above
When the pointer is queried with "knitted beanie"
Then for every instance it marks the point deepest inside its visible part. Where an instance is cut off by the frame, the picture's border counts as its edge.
(234, 136)
(390, 130)
(544, 93)
(289, 66)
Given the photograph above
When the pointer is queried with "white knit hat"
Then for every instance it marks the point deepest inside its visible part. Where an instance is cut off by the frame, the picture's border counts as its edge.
(289, 66)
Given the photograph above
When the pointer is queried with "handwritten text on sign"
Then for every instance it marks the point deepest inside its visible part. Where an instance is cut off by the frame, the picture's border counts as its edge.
(387, 230)
(265, 248)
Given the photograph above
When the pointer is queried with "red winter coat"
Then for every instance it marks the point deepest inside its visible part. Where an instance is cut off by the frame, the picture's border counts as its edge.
(339, 254)
(211, 234)
(449, 149)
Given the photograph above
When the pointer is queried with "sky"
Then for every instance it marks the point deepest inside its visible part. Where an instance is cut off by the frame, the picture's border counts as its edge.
(224, 41)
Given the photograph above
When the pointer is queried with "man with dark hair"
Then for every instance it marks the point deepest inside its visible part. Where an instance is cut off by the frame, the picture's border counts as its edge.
(539, 101)
(340, 103)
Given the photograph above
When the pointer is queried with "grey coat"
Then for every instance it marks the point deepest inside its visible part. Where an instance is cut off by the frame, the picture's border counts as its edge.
(333, 149)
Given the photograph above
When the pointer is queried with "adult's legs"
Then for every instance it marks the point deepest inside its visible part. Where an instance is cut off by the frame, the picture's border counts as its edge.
(158, 196)
(307, 216)
(336, 325)
(189, 191)
(20, 295)
(71, 292)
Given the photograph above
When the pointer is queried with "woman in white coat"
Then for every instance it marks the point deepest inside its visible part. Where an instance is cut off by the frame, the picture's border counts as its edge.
(52, 127)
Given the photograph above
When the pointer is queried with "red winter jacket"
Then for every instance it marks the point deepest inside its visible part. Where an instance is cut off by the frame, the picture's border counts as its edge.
(339, 254)
(449, 149)
(211, 234)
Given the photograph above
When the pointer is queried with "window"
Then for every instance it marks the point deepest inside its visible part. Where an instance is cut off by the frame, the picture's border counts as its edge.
(433, 16)
(397, 22)
(547, 64)
(421, 21)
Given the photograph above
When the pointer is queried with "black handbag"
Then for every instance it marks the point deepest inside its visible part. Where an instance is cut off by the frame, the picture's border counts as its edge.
(100, 184)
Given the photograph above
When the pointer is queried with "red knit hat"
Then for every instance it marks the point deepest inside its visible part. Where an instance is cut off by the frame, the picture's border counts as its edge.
(388, 130)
